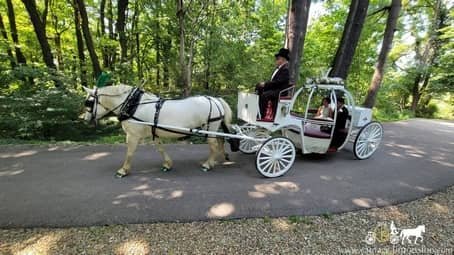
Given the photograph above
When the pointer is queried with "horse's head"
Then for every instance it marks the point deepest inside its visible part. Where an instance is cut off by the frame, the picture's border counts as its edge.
(422, 228)
(103, 101)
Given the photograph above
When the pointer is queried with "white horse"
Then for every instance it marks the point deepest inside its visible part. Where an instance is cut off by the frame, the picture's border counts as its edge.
(405, 234)
(191, 112)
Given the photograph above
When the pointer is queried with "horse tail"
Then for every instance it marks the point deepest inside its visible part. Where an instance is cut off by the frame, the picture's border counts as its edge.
(228, 114)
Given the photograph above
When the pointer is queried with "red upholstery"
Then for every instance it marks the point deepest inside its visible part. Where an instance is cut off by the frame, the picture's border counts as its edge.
(313, 131)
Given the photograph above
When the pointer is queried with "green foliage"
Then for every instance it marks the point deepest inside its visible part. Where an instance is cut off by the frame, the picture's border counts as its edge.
(48, 114)
(428, 112)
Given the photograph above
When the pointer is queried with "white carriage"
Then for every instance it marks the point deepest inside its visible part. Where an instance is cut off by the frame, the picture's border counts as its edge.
(295, 126)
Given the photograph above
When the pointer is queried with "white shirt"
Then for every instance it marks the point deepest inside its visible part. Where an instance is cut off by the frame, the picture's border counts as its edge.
(275, 71)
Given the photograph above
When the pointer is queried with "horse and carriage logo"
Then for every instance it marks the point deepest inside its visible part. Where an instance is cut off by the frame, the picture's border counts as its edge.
(383, 234)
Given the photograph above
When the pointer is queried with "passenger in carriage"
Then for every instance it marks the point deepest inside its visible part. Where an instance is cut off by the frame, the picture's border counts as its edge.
(325, 111)
(340, 132)
(280, 79)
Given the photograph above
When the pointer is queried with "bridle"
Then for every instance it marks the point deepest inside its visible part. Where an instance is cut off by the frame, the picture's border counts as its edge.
(91, 103)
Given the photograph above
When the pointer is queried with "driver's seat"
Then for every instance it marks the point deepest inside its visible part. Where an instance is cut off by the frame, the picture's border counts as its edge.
(273, 113)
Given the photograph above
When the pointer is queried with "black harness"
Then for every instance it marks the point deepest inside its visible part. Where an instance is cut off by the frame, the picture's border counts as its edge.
(158, 107)
(129, 107)
(210, 119)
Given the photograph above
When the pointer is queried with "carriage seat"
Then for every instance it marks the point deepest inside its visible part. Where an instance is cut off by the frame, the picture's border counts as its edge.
(287, 94)
(314, 131)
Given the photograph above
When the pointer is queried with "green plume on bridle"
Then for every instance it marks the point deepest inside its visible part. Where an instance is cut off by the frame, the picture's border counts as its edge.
(103, 80)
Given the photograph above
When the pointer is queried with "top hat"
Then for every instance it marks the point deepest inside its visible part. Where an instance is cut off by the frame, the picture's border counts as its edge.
(283, 53)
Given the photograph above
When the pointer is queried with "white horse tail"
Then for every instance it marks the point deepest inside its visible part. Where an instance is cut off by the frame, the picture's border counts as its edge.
(228, 114)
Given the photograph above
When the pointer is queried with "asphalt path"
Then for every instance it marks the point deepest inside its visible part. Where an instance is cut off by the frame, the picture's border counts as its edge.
(75, 185)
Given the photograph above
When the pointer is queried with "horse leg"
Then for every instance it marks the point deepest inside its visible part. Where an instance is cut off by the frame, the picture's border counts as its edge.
(132, 142)
(167, 165)
(224, 155)
(211, 161)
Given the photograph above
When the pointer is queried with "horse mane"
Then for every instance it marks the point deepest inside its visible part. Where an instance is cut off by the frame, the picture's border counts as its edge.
(119, 89)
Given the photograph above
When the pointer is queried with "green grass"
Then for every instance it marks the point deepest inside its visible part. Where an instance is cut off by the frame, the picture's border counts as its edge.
(295, 219)
(386, 116)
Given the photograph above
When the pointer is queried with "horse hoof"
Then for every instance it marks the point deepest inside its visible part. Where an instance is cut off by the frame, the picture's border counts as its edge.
(165, 169)
(204, 169)
(120, 175)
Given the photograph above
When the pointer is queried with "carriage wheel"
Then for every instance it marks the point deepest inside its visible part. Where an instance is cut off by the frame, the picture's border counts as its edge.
(251, 146)
(368, 140)
(275, 157)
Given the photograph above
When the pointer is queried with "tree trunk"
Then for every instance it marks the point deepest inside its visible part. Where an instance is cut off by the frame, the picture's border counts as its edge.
(377, 78)
(121, 20)
(136, 35)
(80, 46)
(112, 52)
(12, 27)
(189, 68)
(88, 39)
(102, 14)
(298, 15)
(166, 47)
(45, 12)
(182, 58)
(57, 41)
(415, 93)
(102, 17)
(8, 49)
(40, 32)
(350, 38)
(430, 54)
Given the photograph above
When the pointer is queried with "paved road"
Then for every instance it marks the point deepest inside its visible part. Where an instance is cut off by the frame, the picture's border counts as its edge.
(74, 185)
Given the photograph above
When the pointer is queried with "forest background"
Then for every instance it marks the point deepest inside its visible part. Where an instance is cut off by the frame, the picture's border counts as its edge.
(396, 56)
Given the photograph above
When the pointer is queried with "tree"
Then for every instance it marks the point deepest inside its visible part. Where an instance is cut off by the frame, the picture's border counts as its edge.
(298, 15)
(102, 17)
(12, 27)
(427, 55)
(182, 52)
(390, 28)
(40, 32)
(8, 49)
(80, 45)
(350, 38)
(121, 20)
(88, 39)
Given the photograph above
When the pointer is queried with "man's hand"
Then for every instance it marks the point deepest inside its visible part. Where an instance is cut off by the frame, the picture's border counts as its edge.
(260, 84)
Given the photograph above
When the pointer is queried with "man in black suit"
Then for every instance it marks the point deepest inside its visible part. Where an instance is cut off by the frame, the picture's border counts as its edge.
(280, 80)
(340, 129)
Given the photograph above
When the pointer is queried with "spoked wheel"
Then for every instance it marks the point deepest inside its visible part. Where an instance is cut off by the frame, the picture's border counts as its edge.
(368, 140)
(251, 146)
(275, 157)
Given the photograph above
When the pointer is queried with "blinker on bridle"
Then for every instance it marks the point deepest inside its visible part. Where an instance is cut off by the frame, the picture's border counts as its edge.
(91, 103)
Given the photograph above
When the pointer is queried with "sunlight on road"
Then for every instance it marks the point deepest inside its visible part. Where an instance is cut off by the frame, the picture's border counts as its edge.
(19, 154)
(221, 210)
(96, 156)
(11, 173)
(273, 188)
